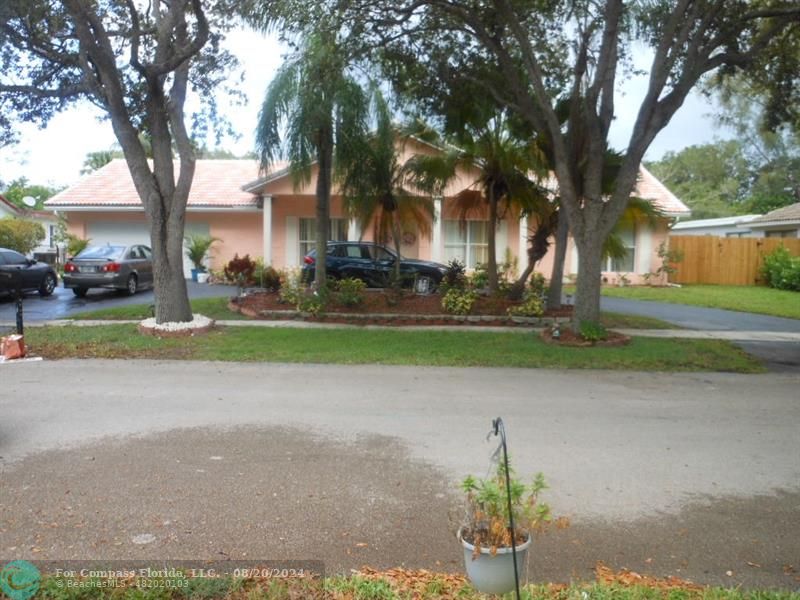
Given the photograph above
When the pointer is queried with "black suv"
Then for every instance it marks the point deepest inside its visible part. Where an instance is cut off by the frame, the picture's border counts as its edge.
(374, 264)
(26, 273)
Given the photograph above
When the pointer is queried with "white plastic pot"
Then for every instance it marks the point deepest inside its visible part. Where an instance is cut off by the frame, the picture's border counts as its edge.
(202, 277)
(494, 574)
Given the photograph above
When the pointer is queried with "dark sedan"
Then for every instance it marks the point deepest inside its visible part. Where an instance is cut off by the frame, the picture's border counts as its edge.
(17, 271)
(127, 268)
(374, 264)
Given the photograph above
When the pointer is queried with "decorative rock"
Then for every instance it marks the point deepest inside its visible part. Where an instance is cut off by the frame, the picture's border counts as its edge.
(198, 324)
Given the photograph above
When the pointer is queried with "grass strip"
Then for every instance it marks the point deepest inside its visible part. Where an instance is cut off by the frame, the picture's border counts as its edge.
(213, 308)
(396, 347)
(743, 298)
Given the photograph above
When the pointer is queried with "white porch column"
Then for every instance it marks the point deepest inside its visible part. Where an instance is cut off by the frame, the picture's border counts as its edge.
(267, 229)
(643, 249)
(522, 249)
(436, 242)
(353, 231)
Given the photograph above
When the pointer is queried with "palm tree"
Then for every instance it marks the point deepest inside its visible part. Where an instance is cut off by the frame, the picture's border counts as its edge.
(324, 111)
(378, 189)
(508, 170)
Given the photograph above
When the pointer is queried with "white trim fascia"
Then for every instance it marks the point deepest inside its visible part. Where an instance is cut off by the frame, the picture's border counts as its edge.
(106, 208)
(770, 224)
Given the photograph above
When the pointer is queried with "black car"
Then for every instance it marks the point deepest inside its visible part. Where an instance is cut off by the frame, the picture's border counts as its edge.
(374, 265)
(27, 273)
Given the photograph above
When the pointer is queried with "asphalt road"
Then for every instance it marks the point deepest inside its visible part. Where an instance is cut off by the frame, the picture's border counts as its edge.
(63, 302)
(694, 475)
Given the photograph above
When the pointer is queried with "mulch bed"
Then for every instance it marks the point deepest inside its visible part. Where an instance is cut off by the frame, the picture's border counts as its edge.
(569, 338)
(390, 309)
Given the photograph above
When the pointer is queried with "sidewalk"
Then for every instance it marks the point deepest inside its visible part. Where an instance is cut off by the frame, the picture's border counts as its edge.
(733, 336)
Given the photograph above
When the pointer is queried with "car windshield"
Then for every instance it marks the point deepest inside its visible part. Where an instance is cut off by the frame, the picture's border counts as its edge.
(102, 252)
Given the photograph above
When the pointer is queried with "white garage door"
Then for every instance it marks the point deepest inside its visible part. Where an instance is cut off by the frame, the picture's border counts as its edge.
(137, 233)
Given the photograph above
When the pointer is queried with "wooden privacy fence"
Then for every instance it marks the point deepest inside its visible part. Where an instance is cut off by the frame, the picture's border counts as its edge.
(724, 261)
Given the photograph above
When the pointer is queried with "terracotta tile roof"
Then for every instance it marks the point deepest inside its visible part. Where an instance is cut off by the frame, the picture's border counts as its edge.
(787, 213)
(650, 188)
(217, 184)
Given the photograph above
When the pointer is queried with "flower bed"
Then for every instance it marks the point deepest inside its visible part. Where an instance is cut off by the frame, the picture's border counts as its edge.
(379, 308)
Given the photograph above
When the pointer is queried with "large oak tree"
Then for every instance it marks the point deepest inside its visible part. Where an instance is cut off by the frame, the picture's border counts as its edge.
(545, 59)
(137, 61)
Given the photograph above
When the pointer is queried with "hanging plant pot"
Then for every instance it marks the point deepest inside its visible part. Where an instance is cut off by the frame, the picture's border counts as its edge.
(494, 574)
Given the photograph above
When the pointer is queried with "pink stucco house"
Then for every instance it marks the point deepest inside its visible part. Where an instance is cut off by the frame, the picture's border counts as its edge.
(263, 215)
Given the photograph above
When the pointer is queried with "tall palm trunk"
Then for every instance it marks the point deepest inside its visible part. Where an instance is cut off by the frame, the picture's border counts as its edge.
(323, 206)
(491, 258)
(555, 290)
(538, 246)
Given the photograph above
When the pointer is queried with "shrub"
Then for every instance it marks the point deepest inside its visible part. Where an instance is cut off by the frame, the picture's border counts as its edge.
(350, 291)
(240, 270)
(266, 276)
(538, 285)
(20, 235)
(313, 301)
(593, 332)
(781, 270)
(291, 286)
(480, 277)
(75, 244)
(532, 306)
(455, 276)
(459, 302)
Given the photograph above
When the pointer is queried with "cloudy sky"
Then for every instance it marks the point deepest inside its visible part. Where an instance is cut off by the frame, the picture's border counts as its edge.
(54, 155)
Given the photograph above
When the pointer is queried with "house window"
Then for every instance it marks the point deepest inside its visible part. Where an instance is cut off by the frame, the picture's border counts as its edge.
(49, 241)
(786, 233)
(308, 234)
(468, 242)
(624, 264)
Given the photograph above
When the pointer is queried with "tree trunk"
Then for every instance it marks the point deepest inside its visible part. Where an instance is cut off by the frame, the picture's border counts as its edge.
(555, 291)
(397, 235)
(323, 208)
(539, 243)
(590, 258)
(169, 285)
(491, 258)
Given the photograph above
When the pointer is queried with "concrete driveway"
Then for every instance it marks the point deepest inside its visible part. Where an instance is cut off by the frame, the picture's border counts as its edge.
(693, 475)
(63, 303)
(781, 357)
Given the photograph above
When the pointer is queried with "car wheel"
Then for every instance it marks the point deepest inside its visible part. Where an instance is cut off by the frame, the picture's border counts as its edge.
(79, 292)
(48, 285)
(425, 284)
(133, 285)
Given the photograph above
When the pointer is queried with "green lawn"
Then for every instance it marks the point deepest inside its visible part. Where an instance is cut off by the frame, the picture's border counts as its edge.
(213, 308)
(745, 298)
(397, 347)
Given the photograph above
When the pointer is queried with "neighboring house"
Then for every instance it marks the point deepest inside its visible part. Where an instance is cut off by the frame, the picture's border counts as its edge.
(737, 226)
(267, 217)
(782, 223)
(47, 249)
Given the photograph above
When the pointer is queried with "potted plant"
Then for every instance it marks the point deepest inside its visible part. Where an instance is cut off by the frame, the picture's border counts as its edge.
(197, 248)
(486, 534)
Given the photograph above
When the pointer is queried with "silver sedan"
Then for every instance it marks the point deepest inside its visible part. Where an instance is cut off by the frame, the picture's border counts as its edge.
(127, 268)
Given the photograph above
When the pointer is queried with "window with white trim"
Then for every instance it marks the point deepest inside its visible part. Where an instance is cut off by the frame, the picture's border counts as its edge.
(308, 234)
(626, 264)
(467, 241)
